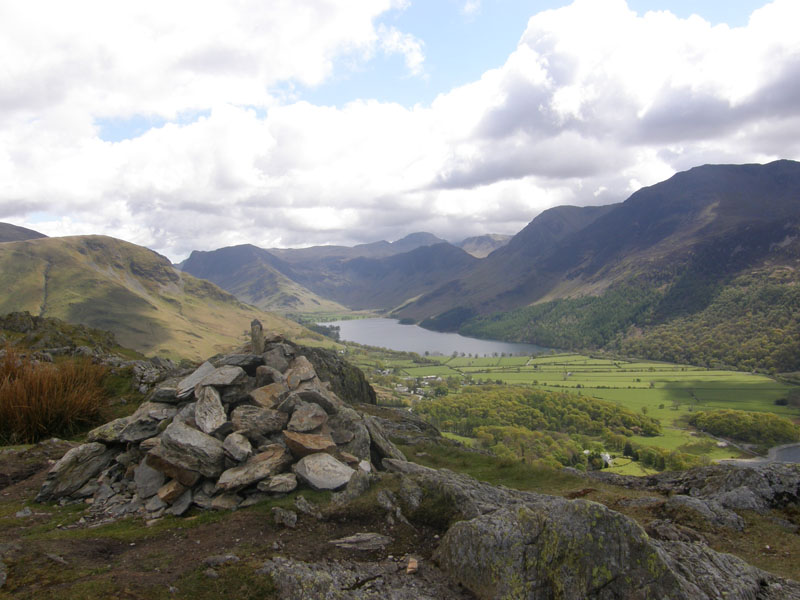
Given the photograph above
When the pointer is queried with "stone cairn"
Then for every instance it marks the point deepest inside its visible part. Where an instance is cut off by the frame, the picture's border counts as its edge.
(237, 430)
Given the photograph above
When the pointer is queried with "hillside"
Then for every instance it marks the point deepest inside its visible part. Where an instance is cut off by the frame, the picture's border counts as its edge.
(702, 252)
(332, 278)
(131, 291)
(257, 277)
(15, 233)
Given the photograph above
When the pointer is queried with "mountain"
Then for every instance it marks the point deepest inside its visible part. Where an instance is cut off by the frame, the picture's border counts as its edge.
(332, 278)
(14, 233)
(256, 276)
(482, 246)
(695, 257)
(380, 249)
(131, 291)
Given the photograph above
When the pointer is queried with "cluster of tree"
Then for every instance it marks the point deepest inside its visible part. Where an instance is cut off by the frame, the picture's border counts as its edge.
(331, 331)
(764, 429)
(504, 406)
(659, 459)
(751, 324)
(535, 447)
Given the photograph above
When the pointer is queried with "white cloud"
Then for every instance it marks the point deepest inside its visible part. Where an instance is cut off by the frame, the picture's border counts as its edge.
(594, 100)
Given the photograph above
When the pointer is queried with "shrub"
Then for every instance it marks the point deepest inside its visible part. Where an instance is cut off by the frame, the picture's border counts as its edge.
(39, 400)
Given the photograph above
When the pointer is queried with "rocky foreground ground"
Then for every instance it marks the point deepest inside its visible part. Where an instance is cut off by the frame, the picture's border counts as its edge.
(251, 477)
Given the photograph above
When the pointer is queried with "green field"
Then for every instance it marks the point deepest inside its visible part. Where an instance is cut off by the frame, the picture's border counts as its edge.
(667, 392)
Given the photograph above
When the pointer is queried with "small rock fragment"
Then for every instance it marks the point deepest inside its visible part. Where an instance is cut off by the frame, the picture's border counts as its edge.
(284, 517)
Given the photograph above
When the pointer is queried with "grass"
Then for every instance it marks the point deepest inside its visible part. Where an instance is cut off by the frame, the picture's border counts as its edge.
(665, 391)
(40, 400)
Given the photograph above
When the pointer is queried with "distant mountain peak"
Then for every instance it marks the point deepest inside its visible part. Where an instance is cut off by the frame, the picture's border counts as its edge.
(15, 233)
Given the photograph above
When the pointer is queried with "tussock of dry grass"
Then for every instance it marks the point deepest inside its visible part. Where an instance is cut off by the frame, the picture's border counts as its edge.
(39, 400)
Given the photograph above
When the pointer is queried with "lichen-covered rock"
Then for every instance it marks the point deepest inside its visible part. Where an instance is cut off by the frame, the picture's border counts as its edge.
(224, 376)
(274, 459)
(322, 472)
(282, 483)
(278, 357)
(709, 511)
(348, 426)
(74, 469)
(316, 395)
(300, 370)
(269, 395)
(347, 381)
(108, 433)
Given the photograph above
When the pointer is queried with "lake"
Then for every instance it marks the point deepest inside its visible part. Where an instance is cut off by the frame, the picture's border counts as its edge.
(389, 333)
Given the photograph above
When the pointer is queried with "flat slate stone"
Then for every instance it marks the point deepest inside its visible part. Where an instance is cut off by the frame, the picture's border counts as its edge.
(109, 432)
(282, 483)
(228, 375)
(186, 386)
(327, 400)
(300, 370)
(148, 480)
(362, 541)
(322, 472)
(270, 395)
(238, 447)
(254, 420)
(75, 469)
(303, 444)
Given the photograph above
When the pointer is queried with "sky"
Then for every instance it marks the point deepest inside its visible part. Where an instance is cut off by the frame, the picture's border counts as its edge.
(194, 125)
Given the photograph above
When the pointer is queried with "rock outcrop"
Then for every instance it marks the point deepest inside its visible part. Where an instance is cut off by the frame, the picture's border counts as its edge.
(218, 439)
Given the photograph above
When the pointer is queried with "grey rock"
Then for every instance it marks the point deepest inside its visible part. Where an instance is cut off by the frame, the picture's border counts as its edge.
(710, 511)
(256, 336)
(362, 541)
(24, 513)
(224, 376)
(284, 517)
(380, 443)
(209, 414)
(265, 375)
(226, 502)
(238, 447)
(327, 400)
(303, 444)
(74, 470)
(254, 498)
(307, 417)
(154, 504)
(148, 480)
(219, 560)
(186, 386)
(202, 499)
(265, 464)
(277, 357)
(252, 421)
(322, 472)
(193, 450)
(348, 423)
(172, 464)
(270, 395)
(165, 393)
(307, 508)
(182, 504)
(145, 422)
(186, 414)
(249, 363)
(356, 487)
(282, 483)
(300, 370)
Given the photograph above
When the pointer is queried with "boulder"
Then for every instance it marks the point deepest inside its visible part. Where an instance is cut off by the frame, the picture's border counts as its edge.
(307, 417)
(287, 518)
(171, 491)
(74, 470)
(706, 510)
(278, 357)
(191, 449)
(181, 505)
(237, 447)
(303, 444)
(322, 472)
(270, 462)
(185, 387)
(209, 414)
(253, 421)
(248, 362)
(347, 381)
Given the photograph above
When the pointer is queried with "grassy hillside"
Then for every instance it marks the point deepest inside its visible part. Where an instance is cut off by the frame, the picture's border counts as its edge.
(129, 290)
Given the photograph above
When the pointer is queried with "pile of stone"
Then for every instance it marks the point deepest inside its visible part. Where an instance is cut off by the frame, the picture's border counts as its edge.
(235, 431)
